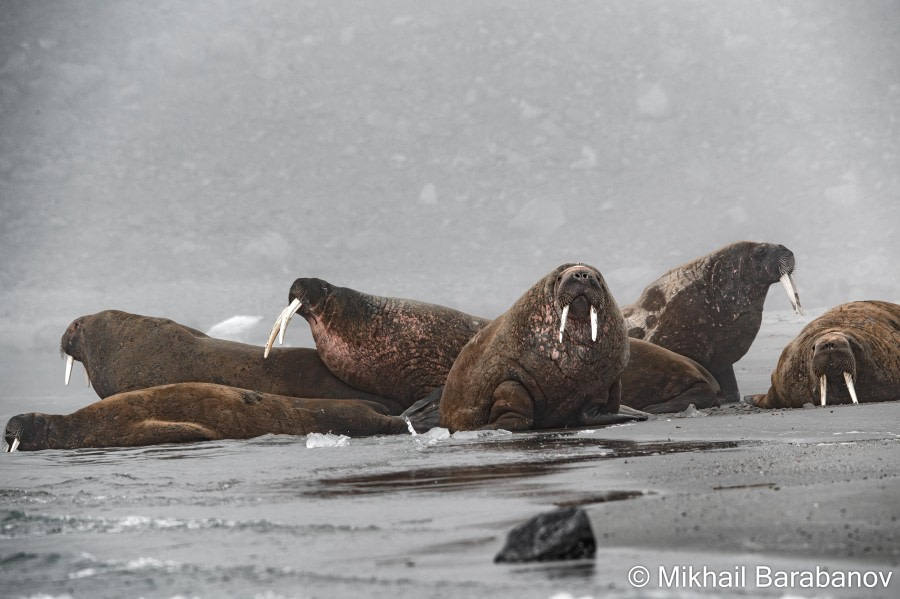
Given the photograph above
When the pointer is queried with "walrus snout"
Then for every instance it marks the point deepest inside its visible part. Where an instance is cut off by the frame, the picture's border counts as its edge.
(581, 294)
(833, 358)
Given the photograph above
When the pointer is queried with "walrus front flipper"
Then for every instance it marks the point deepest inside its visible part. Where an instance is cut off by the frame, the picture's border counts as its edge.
(156, 432)
(425, 414)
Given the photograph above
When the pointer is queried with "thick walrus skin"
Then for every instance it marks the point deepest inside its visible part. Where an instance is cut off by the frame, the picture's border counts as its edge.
(859, 340)
(542, 364)
(124, 352)
(710, 309)
(396, 348)
(191, 412)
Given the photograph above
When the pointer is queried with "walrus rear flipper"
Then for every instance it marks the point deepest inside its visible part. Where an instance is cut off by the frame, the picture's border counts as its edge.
(425, 414)
(156, 432)
(632, 414)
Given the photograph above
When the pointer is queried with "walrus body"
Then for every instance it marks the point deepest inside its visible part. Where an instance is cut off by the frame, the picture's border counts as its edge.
(660, 381)
(710, 310)
(854, 348)
(125, 352)
(395, 348)
(190, 412)
(543, 363)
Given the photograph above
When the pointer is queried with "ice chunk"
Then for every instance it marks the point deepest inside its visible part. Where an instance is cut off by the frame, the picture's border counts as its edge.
(692, 412)
(326, 440)
(432, 437)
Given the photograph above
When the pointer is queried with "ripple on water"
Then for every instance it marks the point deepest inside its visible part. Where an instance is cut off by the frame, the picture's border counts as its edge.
(19, 524)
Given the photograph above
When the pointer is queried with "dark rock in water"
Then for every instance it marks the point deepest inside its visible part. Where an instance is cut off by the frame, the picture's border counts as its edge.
(562, 534)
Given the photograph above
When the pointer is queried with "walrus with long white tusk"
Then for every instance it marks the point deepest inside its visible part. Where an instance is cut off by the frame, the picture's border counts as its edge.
(553, 360)
(710, 309)
(396, 348)
(850, 354)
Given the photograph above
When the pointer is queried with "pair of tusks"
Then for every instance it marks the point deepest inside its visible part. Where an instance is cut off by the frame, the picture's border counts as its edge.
(14, 446)
(69, 362)
(788, 283)
(565, 315)
(281, 324)
(848, 378)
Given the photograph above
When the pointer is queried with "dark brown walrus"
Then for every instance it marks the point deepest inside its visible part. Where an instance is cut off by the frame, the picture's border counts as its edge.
(850, 353)
(710, 309)
(191, 412)
(660, 381)
(125, 352)
(396, 348)
(554, 359)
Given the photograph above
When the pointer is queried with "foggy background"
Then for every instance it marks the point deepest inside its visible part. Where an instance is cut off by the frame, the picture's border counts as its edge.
(190, 160)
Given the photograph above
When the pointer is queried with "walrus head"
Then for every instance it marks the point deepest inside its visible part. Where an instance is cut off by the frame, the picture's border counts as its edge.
(776, 264)
(743, 272)
(307, 297)
(833, 358)
(28, 431)
(72, 347)
(580, 293)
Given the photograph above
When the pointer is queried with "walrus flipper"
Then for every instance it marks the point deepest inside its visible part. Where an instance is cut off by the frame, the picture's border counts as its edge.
(632, 413)
(425, 414)
(512, 408)
(155, 432)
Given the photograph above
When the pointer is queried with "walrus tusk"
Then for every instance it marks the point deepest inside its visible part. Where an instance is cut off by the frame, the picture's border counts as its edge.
(292, 309)
(412, 430)
(823, 383)
(87, 377)
(848, 378)
(562, 324)
(593, 323)
(281, 324)
(69, 362)
(788, 283)
(14, 446)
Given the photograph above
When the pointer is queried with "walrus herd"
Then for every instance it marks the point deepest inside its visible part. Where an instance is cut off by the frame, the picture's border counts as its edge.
(563, 355)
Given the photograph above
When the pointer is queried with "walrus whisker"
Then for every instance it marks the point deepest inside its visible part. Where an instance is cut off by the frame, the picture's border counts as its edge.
(823, 384)
(69, 362)
(593, 323)
(788, 283)
(848, 378)
(562, 324)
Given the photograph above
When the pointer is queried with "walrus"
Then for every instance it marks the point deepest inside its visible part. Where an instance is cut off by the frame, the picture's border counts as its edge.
(397, 348)
(710, 309)
(659, 381)
(850, 353)
(553, 360)
(191, 412)
(124, 352)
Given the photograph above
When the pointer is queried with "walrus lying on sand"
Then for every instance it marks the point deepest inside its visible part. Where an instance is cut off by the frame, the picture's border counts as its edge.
(190, 412)
(660, 381)
(125, 352)
(396, 348)
(710, 309)
(849, 354)
(553, 360)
